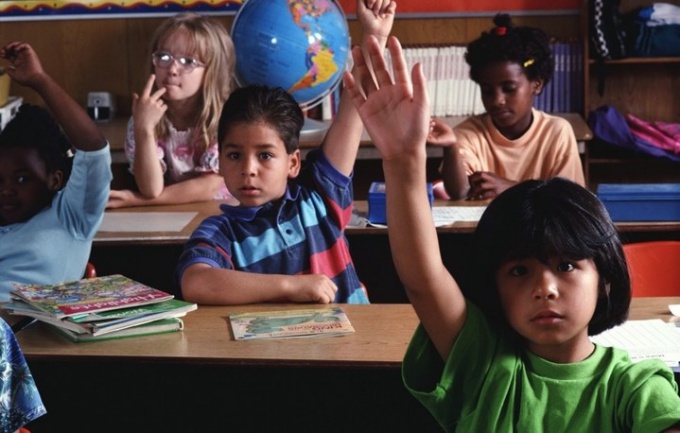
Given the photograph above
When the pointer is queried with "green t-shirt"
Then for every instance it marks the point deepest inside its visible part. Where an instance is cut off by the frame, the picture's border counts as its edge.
(491, 384)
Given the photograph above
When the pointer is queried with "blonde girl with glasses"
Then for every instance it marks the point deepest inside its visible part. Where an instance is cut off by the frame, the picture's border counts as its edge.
(171, 141)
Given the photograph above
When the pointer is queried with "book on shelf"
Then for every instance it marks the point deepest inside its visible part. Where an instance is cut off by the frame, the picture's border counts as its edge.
(161, 326)
(89, 295)
(316, 322)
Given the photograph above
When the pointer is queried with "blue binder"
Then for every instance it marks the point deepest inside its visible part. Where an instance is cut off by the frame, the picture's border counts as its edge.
(376, 202)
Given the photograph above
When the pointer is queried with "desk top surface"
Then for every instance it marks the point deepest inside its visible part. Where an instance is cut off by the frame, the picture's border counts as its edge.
(383, 332)
(205, 209)
(382, 335)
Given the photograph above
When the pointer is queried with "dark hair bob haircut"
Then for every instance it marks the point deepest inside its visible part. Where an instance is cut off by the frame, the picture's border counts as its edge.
(543, 218)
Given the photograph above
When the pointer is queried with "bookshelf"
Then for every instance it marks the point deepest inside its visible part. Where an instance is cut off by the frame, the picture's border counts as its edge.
(110, 54)
(646, 87)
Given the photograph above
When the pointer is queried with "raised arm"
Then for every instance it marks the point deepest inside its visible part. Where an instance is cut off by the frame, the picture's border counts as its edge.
(147, 110)
(26, 70)
(341, 143)
(396, 115)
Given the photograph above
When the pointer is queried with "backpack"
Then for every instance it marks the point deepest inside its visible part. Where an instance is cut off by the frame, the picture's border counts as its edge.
(607, 35)
(610, 127)
(607, 29)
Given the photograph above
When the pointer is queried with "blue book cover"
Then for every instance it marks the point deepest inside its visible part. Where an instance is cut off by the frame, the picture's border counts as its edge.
(558, 86)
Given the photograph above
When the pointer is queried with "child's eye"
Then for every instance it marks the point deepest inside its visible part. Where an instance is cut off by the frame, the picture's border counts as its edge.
(233, 156)
(509, 89)
(565, 266)
(266, 156)
(22, 179)
(518, 270)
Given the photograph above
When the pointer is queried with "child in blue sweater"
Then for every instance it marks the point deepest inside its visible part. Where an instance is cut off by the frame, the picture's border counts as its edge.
(51, 203)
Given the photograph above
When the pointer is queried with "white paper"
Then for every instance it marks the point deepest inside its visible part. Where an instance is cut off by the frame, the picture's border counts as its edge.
(445, 215)
(675, 309)
(146, 221)
(644, 339)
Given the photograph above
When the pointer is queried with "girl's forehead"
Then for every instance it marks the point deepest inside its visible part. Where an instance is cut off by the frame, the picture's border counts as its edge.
(502, 71)
(179, 40)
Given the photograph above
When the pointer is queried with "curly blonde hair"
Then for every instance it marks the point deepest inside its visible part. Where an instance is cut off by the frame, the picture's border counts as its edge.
(213, 45)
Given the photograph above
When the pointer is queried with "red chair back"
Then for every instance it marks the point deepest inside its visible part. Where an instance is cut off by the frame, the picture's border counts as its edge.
(90, 271)
(654, 267)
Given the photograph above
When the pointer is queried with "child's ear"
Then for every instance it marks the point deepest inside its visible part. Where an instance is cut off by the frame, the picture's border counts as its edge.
(55, 180)
(295, 162)
(537, 86)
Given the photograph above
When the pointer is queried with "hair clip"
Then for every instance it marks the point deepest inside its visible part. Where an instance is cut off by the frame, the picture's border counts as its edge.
(528, 63)
(501, 30)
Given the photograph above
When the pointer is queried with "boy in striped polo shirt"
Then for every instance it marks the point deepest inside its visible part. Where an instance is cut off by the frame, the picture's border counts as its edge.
(285, 240)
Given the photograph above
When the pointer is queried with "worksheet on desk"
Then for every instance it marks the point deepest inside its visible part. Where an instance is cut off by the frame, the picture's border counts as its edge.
(644, 339)
(445, 215)
(146, 221)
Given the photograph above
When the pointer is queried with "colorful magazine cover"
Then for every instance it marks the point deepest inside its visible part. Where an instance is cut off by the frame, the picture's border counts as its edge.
(89, 295)
(290, 323)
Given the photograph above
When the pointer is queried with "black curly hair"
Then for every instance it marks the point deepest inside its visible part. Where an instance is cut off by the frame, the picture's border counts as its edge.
(527, 46)
(34, 127)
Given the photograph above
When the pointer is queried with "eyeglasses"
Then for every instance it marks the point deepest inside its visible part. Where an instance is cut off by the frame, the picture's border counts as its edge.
(185, 64)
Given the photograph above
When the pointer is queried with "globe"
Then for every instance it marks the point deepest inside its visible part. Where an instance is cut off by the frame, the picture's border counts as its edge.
(302, 46)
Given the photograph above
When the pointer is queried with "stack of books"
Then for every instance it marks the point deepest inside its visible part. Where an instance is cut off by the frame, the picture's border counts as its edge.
(100, 308)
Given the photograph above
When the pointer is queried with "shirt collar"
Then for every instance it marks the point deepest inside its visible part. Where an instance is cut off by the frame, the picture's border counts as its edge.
(248, 213)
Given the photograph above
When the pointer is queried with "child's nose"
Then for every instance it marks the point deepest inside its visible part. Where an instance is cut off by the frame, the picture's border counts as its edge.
(499, 98)
(248, 168)
(546, 287)
(173, 68)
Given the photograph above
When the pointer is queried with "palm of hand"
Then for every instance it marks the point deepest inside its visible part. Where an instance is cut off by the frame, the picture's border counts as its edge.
(396, 122)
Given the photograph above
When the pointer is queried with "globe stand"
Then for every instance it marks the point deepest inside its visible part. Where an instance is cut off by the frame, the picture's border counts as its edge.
(314, 129)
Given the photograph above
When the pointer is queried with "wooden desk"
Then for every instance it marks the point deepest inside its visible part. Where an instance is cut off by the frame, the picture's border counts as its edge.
(200, 379)
(381, 337)
(134, 238)
(151, 257)
(383, 332)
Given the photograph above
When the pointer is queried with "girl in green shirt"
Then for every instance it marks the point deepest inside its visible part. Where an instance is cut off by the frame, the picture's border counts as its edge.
(549, 273)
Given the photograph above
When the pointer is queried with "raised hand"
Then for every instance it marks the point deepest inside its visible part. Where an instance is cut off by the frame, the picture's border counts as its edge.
(376, 17)
(25, 67)
(395, 113)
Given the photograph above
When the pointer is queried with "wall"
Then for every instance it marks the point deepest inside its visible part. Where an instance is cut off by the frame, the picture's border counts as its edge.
(111, 54)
